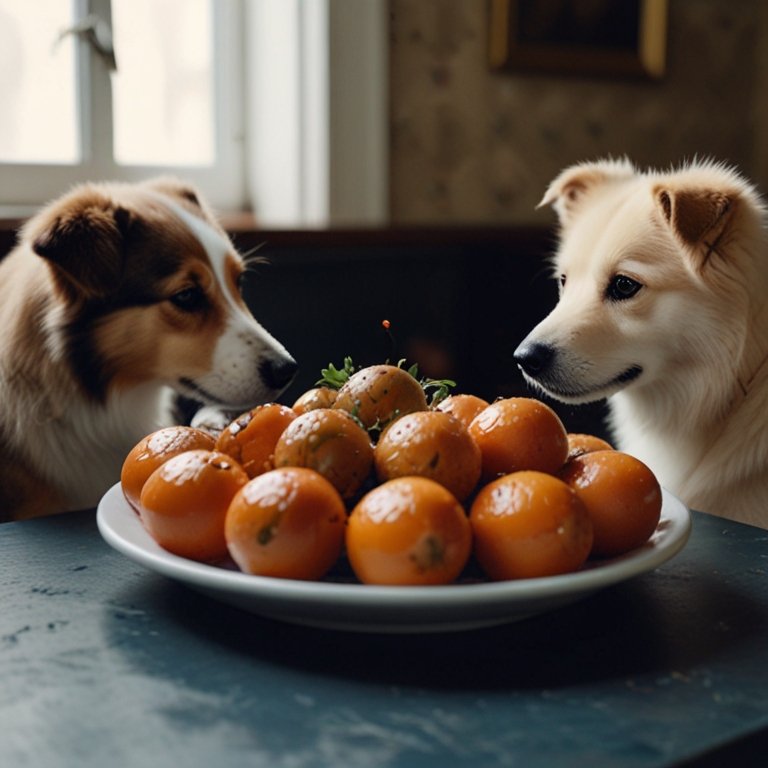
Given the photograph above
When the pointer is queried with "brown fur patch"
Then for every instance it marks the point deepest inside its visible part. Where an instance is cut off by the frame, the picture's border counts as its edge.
(693, 213)
(160, 340)
(118, 256)
(233, 271)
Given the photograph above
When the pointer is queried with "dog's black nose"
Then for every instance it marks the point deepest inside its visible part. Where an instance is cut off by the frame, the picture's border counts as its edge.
(534, 358)
(278, 372)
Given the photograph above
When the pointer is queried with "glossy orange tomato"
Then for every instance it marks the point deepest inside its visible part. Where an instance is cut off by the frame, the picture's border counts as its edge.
(622, 496)
(408, 531)
(287, 523)
(378, 394)
(318, 397)
(579, 444)
(184, 503)
(464, 407)
(429, 444)
(529, 524)
(155, 449)
(332, 443)
(251, 438)
(519, 433)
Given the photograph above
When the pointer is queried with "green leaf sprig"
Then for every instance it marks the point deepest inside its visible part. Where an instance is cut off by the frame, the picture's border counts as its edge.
(335, 378)
(439, 388)
(435, 389)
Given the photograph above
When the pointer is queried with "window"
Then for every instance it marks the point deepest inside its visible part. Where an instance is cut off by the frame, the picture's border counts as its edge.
(163, 91)
(37, 80)
(170, 106)
(245, 98)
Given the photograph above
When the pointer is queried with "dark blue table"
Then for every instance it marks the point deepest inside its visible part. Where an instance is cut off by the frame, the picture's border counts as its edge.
(105, 664)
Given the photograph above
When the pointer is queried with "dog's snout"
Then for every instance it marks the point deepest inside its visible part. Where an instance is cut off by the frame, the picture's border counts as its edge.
(534, 358)
(278, 373)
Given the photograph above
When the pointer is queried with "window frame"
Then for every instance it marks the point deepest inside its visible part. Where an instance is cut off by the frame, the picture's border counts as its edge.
(24, 186)
(320, 157)
(332, 114)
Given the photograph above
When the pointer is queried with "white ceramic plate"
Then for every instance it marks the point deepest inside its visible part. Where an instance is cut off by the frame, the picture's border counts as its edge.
(353, 606)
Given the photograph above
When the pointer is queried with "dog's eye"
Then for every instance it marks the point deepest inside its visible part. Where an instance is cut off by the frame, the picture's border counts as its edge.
(562, 281)
(622, 287)
(189, 299)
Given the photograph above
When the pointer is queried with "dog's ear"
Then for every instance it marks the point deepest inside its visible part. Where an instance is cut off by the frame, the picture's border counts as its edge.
(82, 239)
(698, 217)
(568, 190)
(188, 196)
(175, 188)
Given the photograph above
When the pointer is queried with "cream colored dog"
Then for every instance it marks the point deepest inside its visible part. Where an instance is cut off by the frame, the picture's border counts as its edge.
(664, 311)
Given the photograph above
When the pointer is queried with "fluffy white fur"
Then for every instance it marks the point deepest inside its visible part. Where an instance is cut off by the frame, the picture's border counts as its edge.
(682, 360)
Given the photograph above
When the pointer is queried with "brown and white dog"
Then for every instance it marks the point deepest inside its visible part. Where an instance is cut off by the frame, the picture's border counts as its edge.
(117, 298)
(663, 310)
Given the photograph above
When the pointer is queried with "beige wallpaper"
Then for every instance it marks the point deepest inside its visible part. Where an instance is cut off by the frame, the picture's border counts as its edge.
(471, 145)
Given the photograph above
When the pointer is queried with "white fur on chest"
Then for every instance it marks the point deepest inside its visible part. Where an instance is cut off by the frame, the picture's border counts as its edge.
(716, 466)
(108, 431)
(671, 453)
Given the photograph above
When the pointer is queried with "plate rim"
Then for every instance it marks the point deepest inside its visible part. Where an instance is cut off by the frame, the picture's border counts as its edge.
(671, 536)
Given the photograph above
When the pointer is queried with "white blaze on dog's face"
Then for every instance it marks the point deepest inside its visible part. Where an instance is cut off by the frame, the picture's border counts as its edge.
(637, 254)
(247, 364)
(148, 289)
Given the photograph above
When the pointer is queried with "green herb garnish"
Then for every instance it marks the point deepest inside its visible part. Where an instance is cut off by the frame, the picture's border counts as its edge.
(435, 389)
(440, 389)
(335, 378)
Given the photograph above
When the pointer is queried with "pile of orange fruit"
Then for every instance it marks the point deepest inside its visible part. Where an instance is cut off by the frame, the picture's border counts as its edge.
(410, 491)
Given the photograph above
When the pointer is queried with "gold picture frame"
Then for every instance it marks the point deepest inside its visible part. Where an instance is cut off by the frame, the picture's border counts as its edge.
(626, 38)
